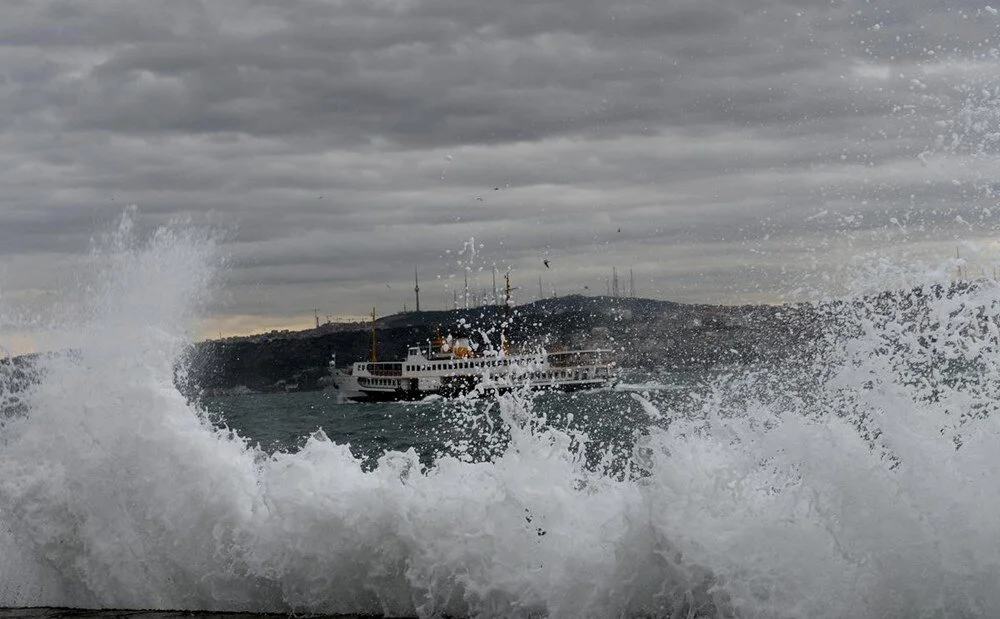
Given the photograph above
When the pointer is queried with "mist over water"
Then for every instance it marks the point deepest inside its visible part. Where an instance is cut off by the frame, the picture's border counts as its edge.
(857, 481)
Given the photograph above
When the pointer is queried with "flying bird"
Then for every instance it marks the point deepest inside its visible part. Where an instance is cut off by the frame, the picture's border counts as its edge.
(619, 229)
(546, 263)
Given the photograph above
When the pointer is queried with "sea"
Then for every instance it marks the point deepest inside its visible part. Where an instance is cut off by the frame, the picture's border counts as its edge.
(854, 477)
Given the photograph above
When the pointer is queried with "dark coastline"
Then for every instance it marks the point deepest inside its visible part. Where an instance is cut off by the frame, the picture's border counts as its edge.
(645, 333)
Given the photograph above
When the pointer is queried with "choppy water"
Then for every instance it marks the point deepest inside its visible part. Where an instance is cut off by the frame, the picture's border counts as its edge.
(859, 481)
(611, 419)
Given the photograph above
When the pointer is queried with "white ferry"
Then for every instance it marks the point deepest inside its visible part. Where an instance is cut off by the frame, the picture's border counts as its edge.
(450, 367)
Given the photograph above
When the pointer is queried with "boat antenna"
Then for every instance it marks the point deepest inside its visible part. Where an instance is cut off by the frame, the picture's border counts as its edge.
(374, 340)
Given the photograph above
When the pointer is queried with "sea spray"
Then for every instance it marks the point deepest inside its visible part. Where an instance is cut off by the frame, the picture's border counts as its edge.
(857, 484)
(111, 484)
(853, 482)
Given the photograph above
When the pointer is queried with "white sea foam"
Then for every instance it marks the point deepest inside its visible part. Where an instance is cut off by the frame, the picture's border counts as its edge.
(834, 492)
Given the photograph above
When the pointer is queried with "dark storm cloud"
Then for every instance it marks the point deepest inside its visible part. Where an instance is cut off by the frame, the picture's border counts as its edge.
(340, 144)
(438, 74)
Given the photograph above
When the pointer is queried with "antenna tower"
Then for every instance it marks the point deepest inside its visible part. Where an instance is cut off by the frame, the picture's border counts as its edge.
(416, 287)
(374, 339)
(505, 333)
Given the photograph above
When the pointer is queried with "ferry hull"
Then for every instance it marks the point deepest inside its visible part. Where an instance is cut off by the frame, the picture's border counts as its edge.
(454, 372)
(461, 386)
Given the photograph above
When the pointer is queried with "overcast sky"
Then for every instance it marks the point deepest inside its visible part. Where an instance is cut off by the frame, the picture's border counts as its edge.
(722, 151)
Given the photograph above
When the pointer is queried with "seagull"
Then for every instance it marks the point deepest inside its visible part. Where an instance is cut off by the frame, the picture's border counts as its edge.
(546, 263)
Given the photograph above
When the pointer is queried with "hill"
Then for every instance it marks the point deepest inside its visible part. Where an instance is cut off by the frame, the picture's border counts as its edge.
(645, 333)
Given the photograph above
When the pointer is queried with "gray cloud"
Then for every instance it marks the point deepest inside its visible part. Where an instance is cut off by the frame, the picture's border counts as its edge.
(738, 146)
